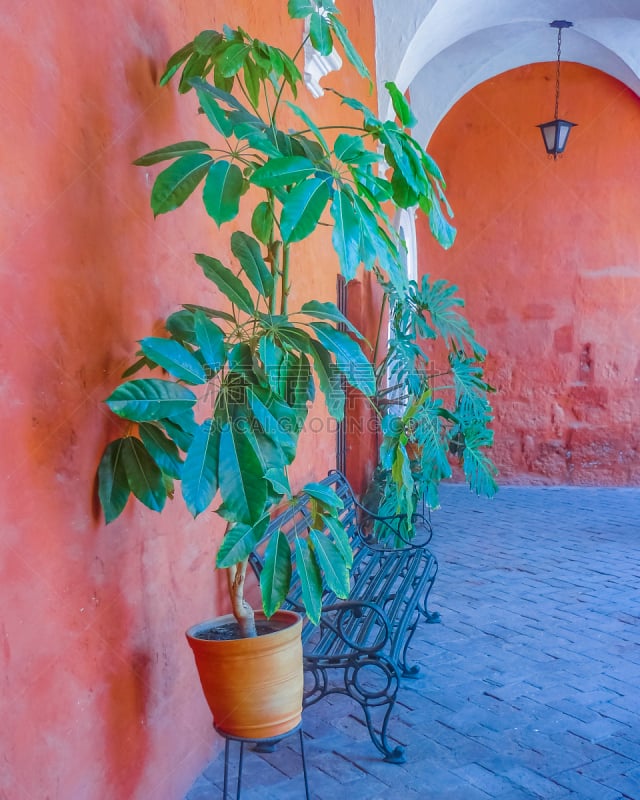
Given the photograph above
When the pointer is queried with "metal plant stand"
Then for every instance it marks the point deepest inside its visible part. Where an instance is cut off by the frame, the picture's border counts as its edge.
(264, 745)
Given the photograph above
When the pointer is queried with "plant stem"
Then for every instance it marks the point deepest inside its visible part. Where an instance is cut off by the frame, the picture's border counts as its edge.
(286, 283)
(379, 332)
(242, 611)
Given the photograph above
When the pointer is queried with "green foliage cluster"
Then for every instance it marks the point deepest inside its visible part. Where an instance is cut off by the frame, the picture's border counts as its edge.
(257, 365)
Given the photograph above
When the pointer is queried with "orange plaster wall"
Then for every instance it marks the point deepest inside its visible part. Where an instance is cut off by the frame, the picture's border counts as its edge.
(99, 697)
(548, 261)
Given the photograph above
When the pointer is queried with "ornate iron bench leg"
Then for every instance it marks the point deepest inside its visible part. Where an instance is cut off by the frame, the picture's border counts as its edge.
(373, 697)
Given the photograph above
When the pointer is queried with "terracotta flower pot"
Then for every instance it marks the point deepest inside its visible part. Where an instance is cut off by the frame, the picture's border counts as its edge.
(253, 686)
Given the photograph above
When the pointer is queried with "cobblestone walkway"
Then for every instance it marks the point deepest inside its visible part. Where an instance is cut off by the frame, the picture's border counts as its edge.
(530, 686)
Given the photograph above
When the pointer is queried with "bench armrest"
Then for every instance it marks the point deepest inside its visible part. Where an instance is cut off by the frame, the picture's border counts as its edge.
(397, 527)
(357, 615)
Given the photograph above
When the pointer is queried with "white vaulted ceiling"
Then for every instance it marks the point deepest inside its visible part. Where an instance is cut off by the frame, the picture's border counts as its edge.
(441, 49)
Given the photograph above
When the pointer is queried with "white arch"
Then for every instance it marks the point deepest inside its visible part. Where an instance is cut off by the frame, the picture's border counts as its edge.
(441, 49)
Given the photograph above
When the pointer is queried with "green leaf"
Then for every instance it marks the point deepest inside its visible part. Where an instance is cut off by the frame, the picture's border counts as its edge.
(113, 486)
(172, 151)
(211, 313)
(401, 106)
(324, 494)
(179, 431)
(174, 184)
(239, 541)
(241, 476)
(320, 33)
(175, 358)
(143, 474)
(303, 208)
(346, 234)
(148, 399)
(310, 580)
(299, 9)
(350, 359)
(349, 50)
(163, 451)
(277, 419)
(233, 58)
(300, 112)
(332, 564)
(278, 479)
(275, 578)
(230, 285)
(329, 378)
(329, 311)
(198, 65)
(340, 539)
(262, 222)
(222, 191)
(247, 251)
(200, 471)
(349, 149)
(173, 64)
(206, 42)
(215, 114)
(252, 75)
(443, 231)
(283, 171)
(210, 340)
(479, 470)
(180, 325)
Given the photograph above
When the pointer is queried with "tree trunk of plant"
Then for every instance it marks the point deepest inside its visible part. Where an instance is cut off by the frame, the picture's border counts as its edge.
(242, 611)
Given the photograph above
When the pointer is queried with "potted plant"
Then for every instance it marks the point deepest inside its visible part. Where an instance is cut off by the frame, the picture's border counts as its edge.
(258, 360)
(432, 403)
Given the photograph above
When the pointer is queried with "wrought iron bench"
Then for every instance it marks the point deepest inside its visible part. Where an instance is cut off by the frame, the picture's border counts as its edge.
(364, 640)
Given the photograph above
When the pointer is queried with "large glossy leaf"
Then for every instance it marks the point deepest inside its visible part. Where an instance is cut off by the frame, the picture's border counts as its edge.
(239, 541)
(303, 208)
(162, 449)
(262, 222)
(310, 580)
(174, 184)
(230, 285)
(346, 234)
(233, 58)
(200, 470)
(320, 33)
(284, 171)
(299, 9)
(443, 231)
(350, 51)
(340, 539)
(277, 419)
(241, 476)
(329, 379)
(350, 359)
(113, 486)
(210, 340)
(275, 577)
(479, 470)
(400, 105)
(300, 112)
(172, 151)
(247, 251)
(329, 311)
(325, 494)
(222, 191)
(332, 564)
(175, 358)
(173, 64)
(143, 474)
(215, 113)
(149, 399)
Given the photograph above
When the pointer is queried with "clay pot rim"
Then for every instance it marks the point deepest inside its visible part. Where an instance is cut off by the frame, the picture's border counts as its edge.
(216, 622)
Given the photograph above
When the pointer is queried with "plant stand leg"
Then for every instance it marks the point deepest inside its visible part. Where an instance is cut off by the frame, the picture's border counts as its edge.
(268, 745)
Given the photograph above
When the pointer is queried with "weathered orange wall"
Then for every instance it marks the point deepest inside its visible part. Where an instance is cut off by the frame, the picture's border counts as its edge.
(548, 261)
(100, 699)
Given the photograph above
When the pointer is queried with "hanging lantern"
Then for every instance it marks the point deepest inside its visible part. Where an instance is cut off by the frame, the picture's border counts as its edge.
(556, 132)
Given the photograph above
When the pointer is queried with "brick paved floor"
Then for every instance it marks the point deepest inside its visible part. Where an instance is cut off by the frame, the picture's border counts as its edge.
(530, 686)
